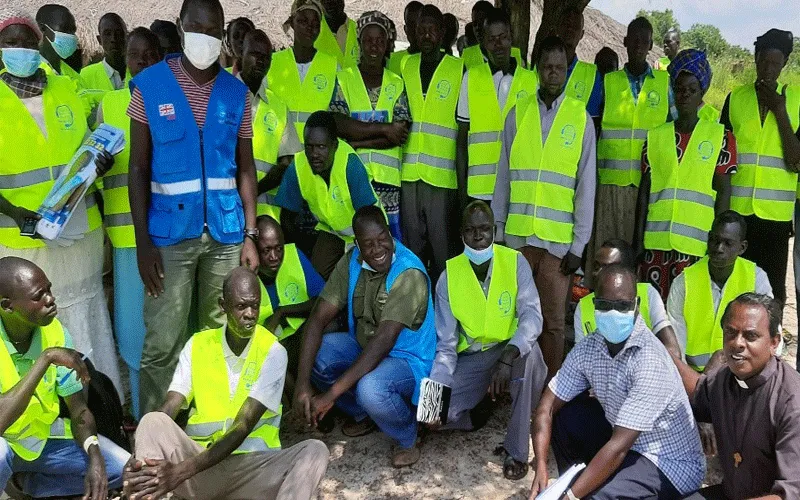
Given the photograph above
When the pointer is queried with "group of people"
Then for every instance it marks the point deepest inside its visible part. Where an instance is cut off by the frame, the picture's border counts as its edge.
(323, 227)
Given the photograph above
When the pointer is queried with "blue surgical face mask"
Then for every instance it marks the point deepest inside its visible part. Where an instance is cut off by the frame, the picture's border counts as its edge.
(615, 326)
(21, 62)
(64, 44)
(478, 257)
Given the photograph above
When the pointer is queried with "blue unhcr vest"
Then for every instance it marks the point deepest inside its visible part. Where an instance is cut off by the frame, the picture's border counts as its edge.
(193, 179)
(418, 347)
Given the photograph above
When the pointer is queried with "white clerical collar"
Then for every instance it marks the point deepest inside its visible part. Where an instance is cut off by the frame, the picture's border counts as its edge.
(741, 383)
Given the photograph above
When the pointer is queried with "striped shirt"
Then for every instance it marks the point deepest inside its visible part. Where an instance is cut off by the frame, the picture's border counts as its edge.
(198, 97)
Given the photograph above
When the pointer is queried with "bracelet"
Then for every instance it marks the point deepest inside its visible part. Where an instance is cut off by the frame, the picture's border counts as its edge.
(90, 441)
(571, 495)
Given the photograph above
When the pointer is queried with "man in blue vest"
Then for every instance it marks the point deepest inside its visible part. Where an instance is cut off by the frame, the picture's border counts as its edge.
(192, 189)
(373, 371)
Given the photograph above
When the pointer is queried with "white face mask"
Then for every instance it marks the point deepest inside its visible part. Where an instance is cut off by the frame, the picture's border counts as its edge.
(201, 50)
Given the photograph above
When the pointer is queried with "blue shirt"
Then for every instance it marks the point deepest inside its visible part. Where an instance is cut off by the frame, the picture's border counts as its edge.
(637, 82)
(290, 197)
(639, 389)
(65, 387)
(314, 282)
(596, 98)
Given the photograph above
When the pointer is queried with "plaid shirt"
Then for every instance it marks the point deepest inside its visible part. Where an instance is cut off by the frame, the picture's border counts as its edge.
(25, 88)
(640, 389)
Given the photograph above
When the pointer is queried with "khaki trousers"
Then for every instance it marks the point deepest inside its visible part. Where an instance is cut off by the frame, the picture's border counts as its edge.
(289, 474)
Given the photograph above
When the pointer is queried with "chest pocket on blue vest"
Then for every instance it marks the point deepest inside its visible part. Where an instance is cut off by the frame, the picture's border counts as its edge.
(225, 134)
(169, 148)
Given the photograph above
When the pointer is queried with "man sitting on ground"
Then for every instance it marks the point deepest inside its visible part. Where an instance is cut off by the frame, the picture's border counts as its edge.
(56, 457)
(233, 376)
(488, 317)
(373, 371)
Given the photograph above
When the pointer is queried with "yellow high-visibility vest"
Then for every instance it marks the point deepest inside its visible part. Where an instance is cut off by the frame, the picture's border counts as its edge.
(269, 123)
(663, 63)
(327, 42)
(543, 176)
(626, 123)
(118, 219)
(586, 305)
(290, 285)
(396, 61)
(383, 165)
(703, 328)
(473, 56)
(302, 99)
(216, 410)
(330, 203)
(74, 76)
(30, 162)
(762, 185)
(486, 121)
(96, 83)
(581, 81)
(430, 152)
(28, 435)
(682, 198)
(486, 319)
(708, 112)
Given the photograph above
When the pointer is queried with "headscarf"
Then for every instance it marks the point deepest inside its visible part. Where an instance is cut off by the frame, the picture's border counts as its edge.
(691, 61)
(10, 17)
(299, 5)
(379, 19)
(776, 39)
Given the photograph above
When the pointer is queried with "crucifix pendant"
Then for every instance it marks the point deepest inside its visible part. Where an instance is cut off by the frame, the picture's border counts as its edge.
(737, 459)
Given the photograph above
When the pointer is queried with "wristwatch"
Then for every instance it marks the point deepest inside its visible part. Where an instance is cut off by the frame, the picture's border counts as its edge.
(251, 233)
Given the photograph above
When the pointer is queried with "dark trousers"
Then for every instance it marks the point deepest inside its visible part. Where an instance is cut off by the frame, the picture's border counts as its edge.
(768, 247)
(580, 430)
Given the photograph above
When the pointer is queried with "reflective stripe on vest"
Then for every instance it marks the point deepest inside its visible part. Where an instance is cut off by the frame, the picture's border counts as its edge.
(704, 331)
(216, 409)
(484, 319)
(542, 192)
(330, 203)
(430, 152)
(486, 124)
(302, 99)
(681, 208)
(626, 123)
(473, 56)
(581, 81)
(30, 161)
(762, 184)
(586, 305)
(383, 165)
(117, 217)
(328, 43)
(269, 124)
(28, 435)
(290, 286)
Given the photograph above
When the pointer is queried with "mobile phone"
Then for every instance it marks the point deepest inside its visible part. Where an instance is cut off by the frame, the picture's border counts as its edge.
(29, 227)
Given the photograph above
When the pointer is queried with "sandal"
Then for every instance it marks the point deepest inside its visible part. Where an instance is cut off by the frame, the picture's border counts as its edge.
(513, 470)
(352, 428)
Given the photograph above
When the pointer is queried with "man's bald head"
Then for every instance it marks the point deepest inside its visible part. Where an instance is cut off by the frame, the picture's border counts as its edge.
(266, 224)
(477, 206)
(367, 215)
(616, 282)
(239, 280)
(15, 272)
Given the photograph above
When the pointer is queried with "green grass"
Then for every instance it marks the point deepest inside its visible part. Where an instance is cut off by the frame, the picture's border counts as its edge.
(730, 73)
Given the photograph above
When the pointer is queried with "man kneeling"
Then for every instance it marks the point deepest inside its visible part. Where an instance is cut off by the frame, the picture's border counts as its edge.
(488, 317)
(234, 378)
(372, 372)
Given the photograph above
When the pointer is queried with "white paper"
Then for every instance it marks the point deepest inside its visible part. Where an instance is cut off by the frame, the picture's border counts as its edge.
(558, 489)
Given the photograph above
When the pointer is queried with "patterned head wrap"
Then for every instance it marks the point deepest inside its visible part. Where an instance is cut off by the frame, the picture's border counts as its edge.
(776, 39)
(691, 61)
(299, 5)
(380, 19)
(10, 17)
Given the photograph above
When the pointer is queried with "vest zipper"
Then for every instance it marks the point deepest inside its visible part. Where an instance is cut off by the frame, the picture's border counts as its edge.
(203, 180)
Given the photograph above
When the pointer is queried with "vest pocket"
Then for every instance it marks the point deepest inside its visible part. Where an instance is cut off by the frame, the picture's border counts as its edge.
(231, 213)
(168, 148)
(174, 218)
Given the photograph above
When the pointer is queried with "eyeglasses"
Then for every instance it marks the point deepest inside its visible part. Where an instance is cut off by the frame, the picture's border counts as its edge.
(614, 305)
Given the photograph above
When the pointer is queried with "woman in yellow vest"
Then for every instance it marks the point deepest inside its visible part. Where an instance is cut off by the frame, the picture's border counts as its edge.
(372, 113)
(43, 125)
(765, 117)
(686, 178)
(142, 50)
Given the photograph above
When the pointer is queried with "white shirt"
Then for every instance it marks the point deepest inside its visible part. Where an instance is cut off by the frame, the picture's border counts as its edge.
(655, 306)
(266, 390)
(117, 81)
(502, 86)
(677, 298)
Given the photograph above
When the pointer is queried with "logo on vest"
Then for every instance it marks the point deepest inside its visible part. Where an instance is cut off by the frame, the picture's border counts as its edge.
(166, 110)
(706, 150)
(271, 121)
(504, 303)
(522, 94)
(291, 292)
(320, 82)
(65, 116)
(336, 195)
(653, 99)
(443, 88)
(390, 91)
(249, 375)
(579, 88)
(568, 135)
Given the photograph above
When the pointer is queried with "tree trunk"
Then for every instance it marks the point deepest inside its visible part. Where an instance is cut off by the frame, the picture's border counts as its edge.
(551, 15)
(519, 12)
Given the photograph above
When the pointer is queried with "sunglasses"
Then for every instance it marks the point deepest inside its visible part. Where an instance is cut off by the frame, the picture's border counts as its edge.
(614, 305)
